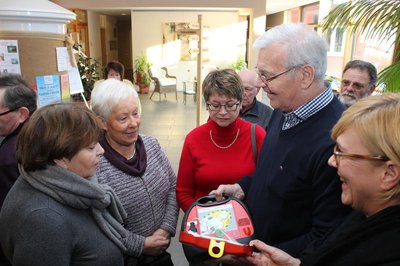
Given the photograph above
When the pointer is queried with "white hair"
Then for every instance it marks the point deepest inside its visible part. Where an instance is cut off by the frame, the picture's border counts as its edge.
(108, 94)
(303, 44)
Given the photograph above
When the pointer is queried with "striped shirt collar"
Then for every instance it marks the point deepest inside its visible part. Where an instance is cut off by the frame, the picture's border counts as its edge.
(307, 110)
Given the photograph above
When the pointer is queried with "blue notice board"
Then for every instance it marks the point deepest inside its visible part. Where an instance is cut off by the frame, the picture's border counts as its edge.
(48, 89)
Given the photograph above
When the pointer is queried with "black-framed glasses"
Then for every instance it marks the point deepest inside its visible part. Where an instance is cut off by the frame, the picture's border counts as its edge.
(9, 111)
(337, 153)
(228, 107)
(266, 80)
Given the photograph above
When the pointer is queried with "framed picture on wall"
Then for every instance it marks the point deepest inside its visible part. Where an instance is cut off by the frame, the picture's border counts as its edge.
(186, 34)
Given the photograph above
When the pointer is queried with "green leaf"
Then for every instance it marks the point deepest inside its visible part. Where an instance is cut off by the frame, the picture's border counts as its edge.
(377, 20)
(390, 77)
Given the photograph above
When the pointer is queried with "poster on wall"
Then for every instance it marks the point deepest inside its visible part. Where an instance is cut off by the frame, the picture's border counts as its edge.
(9, 57)
(63, 61)
(48, 89)
(184, 32)
(75, 82)
(65, 94)
(64, 64)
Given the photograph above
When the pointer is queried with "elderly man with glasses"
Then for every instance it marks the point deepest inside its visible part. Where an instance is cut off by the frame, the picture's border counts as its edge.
(294, 195)
(17, 103)
(358, 81)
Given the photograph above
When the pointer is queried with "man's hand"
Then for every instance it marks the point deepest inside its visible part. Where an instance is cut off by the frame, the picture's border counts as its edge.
(234, 190)
(270, 256)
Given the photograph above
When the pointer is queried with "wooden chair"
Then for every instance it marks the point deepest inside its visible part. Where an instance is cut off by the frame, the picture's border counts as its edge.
(163, 82)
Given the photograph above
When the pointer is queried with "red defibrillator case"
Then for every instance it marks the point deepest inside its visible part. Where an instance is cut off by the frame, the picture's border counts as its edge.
(213, 228)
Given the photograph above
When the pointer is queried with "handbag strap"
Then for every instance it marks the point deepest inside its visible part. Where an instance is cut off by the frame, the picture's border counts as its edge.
(254, 142)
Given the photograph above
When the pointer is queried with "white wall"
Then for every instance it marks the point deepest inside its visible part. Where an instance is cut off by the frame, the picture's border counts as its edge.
(224, 35)
(111, 28)
(94, 34)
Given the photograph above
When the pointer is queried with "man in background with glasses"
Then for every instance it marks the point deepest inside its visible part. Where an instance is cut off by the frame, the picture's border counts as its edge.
(358, 81)
(294, 195)
(17, 103)
(253, 110)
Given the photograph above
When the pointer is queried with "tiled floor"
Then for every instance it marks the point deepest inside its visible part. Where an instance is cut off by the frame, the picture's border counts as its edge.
(169, 121)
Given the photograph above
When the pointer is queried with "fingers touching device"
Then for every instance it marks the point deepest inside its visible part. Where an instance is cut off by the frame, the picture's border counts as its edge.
(213, 228)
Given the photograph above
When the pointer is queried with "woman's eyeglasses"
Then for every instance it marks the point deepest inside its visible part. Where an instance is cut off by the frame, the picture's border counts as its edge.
(337, 153)
(228, 107)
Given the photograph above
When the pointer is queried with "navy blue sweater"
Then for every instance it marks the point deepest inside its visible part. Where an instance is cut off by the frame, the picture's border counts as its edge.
(294, 195)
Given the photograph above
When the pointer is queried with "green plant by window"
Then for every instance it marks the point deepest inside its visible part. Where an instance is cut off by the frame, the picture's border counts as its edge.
(142, 66)
(240, 64)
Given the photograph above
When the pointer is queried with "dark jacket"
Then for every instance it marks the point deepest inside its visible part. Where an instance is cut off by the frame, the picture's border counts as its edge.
(294, 195)
(359, 241)
(259, 114)
(8, 163)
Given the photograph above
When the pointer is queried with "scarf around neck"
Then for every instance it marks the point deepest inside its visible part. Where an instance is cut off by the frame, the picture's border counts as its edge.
(77, 192)
(136, 166)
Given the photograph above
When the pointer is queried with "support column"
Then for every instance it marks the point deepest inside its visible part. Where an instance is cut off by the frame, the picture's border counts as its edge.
(39, 27)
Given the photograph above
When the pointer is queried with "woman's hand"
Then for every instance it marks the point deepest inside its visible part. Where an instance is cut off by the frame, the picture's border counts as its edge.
(155, 244)
(270, 256)
(162, 232)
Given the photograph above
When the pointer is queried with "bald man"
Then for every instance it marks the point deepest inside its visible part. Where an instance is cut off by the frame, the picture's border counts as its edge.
(253, 110)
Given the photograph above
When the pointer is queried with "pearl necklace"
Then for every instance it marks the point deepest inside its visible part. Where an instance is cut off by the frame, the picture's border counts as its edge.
(224, 147)
(134, 153)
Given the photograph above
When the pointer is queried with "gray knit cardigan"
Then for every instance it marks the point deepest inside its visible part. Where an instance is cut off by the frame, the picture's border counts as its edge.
(150, 200)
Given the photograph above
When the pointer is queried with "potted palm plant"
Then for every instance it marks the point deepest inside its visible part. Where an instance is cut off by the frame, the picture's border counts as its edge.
(143, 79)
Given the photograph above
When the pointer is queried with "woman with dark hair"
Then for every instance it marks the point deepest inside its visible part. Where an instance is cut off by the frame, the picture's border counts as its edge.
(56, 213)
(114, 69)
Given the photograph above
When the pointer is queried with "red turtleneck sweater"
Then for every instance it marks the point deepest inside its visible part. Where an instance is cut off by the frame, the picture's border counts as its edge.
(203, 166)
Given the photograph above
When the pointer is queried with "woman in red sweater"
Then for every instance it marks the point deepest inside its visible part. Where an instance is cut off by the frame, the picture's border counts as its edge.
(220, 151)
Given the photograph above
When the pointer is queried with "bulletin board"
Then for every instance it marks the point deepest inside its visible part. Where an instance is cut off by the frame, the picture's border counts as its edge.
(37, 53)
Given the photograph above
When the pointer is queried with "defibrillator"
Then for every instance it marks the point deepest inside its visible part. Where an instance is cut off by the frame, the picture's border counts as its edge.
(213, 228)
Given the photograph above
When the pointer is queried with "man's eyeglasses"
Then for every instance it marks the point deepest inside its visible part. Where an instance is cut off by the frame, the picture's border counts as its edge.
(337, 153)
(266, 80)
(228, 107)
(356, 85)
(9, 111)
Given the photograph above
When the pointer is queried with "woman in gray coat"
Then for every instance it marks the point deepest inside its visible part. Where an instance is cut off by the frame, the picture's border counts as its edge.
(56, 213)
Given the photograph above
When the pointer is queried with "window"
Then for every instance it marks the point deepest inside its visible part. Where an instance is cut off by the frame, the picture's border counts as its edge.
(294, 15)
(335, 39)
(309, 14)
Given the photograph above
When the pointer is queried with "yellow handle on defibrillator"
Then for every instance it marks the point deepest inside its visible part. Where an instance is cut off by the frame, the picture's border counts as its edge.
(216, 248)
